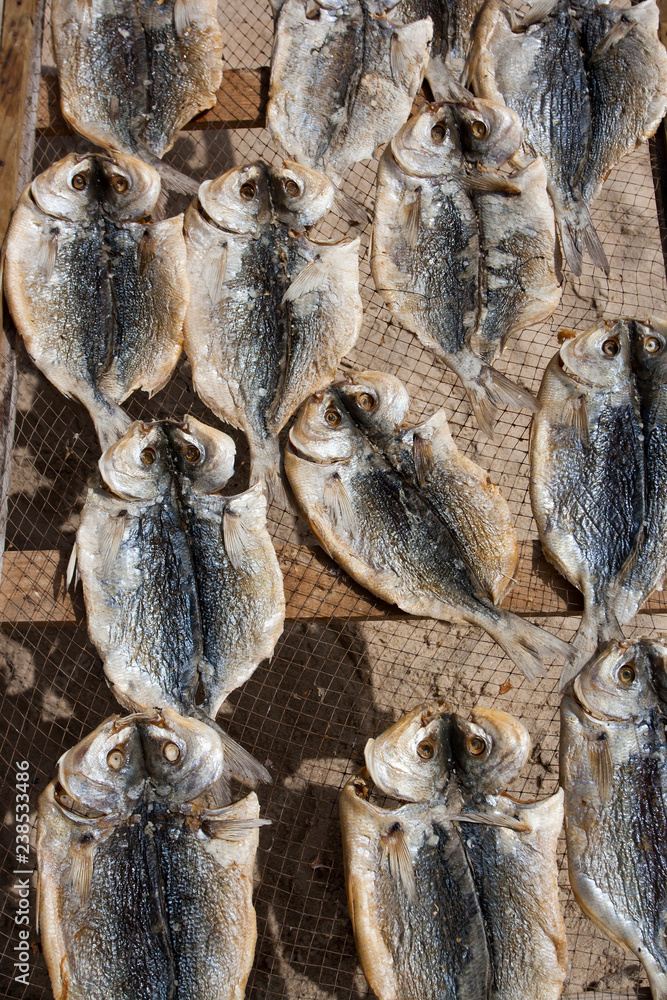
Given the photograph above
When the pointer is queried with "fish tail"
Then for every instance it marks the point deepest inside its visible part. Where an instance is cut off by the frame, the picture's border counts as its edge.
(577, 235)
(172, 178)
(266, 469)
(527, 644)
(238, 761)
(490, 391)
(111, 422)
(585, 643)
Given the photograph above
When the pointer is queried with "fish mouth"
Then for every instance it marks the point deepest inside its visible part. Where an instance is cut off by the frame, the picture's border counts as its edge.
(307, 456)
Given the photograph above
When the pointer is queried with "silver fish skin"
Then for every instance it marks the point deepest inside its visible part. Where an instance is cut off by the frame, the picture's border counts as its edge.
(513, 857)
(133, 72)
(417, 923)
(646, 572)
(425, 216)
(626, 66)
(537, 68)
(138, 576)
(387, 537)
(520, 286)
(353, 88)
(145, 890)
(98, 296)
(272, 312)
(238, 580)
(613, 769)
(426, 456)
(587, 472)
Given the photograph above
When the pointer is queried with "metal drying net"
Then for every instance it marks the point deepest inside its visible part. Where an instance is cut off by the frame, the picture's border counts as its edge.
(344, 669)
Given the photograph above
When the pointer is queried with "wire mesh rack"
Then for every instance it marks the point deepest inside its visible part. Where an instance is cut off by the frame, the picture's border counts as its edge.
(346, 666)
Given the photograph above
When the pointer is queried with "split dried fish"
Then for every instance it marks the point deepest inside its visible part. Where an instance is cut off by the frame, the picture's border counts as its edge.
(587, 472)
(387, 537)
(145, 887)
(426, 457)
(131, 74)
(613, 761)
(272, 312)
(97, 294)
(343, 80)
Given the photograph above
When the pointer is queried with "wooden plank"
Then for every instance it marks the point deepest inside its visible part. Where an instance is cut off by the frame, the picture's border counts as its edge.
(315, 589)
(240, 103)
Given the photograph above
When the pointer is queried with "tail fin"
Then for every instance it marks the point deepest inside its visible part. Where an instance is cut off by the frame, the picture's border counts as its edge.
(526, 643)
(170, 176)
(266, 469)
(111, 421)
(490, 391)
(577, 234)
(238, 762)
(597, 627)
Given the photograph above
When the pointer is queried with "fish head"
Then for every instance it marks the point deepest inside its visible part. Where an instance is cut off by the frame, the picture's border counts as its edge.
(69, 189)
(490, 133)
(411, 759)
(429, 142)
(490, 751)
(104, 774)
(239, 200)
(622, 680)
(183, 756)
(323, 430)
(374, 399)
(129, 188)
(137, 466)
(600, 356)
(202, 455)
(649, 348)
(300, 196)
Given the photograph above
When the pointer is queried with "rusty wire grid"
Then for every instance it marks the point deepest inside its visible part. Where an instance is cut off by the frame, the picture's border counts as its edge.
(335, 679)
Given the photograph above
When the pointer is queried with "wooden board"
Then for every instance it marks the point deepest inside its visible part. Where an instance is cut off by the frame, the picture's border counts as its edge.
(316, 589)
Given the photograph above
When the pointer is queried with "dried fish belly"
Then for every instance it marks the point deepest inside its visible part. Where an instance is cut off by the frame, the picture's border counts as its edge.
(448, 266)
(343, 79)
(388, 538)
(182, 586)
(587, 471)
(132, 74)
(98, 296)
(272, 312)
(512, 850)
(459, 491)
(145, 887)
(613, 759)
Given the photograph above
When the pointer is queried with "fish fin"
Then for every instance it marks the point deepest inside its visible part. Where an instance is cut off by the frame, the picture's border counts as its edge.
(337, 500)
(575, 415)
(411, 207)
(72, 572)
(491, 181)
(81, 872)
(238, 761)
(526, 643)
(265, 468)
(182, 19)
(350, 209)
(408, 50)
(172, 178)
(601, 764)
(214, 270)
(584, 644)
(577, 233)
(314, 277)
(233, 830)
(490, 391)
(492, 819)
(395, 853)
(615, 35)
(539, 10)
(422, 454)
(110, 540)
(45, 258)
(111, 422)
(237, 537)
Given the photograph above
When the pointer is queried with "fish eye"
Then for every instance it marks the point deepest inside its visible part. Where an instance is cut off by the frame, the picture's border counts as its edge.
(366, 401)
(652, 345)
(627, 674)
(171, 752)
(291, 187)
(479, 129)
(192, 453)
(148, 456)
(426, 750)
(332, 417)
(475, 745)
(119, 183)
(438, 132)
(115, 759)
(611, 348)
(79, 182)
(248, 190)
